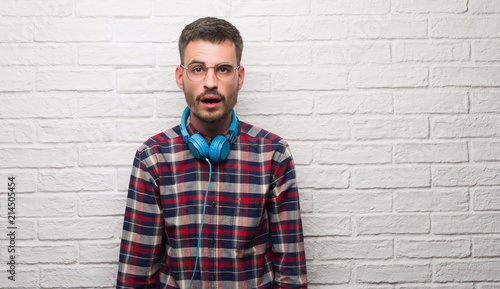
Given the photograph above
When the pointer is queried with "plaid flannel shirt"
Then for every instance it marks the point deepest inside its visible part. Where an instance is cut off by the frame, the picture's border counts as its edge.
(252, 234)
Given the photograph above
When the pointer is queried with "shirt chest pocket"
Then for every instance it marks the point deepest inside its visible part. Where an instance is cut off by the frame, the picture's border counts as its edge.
(250, 223)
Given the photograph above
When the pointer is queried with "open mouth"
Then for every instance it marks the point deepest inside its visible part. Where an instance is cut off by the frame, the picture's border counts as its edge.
(210, 100)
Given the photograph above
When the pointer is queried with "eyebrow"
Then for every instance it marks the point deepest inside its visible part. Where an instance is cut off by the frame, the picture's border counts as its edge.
(204, 64)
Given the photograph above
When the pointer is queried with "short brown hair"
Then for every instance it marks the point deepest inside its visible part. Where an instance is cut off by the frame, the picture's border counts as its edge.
(211, 29)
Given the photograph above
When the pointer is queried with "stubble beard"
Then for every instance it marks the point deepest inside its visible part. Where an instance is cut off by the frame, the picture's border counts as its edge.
(211, 118)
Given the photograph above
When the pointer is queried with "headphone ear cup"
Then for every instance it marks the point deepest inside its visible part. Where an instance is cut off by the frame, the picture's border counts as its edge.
(198, 146)
(219, 149)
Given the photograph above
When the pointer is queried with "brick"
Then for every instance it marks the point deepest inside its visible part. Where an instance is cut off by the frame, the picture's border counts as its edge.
(486, 50)
(123, 179)
(141, 130)
(64, 30)
(16, 80)
(453, 176)
(388, 27)
(302, 79)
(447, 248)
(77, 180)
(326, 225)
(43, 205)
(323, 177)
(390, 128)
(354, 103)
(486, 247)
(36, 8)
(485, 101)
(60, 254)
(272, 104)
(430, 51)
(117, 54)
(115, 155)
(256, 82)
(16, 30)
(465, 126)
(79, 80)
(487, 76)
(347, 53)
(352, 202)
(301, 128)
(317, 29)
(390, 77)
(25, 181)
(268, 8)
(431, 200)
(454, 224)
(17, 132)
(36, 106)
(438, 286)
(393, 224)
(116, 8)
(25, 277)
(355, 154)
(485, 151)
(253, 30)
(145, 80)
(306, 201)
(168, 54)
(147, 31)
(467, 271)
(488, 286)
(429, 6)
(76, 229)
(324, 7)
(28, 157)
(192, 8)
(484, 6)
(98, 252)
(337, 249)
(276, 54)
(75, 131)
(430, 153)
(408, 102)
(40, 54)
(78, 276)
(394, 273)
(115, 106)
(390, 177)
(26, 230)
(486, 199)
(464, 27)
(101, 204)
(323, 273)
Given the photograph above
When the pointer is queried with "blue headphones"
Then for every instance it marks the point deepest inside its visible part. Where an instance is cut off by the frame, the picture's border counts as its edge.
(219, 148)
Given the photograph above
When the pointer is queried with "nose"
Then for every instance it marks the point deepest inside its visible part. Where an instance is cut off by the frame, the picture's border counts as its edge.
(210, 81)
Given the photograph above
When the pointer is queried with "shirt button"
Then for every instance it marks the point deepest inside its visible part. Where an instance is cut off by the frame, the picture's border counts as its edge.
(212, 277)
(212, 241)
(214, 204)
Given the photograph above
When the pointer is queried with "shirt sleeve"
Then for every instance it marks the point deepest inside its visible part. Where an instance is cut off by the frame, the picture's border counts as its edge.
(286, 226)
(141, 250)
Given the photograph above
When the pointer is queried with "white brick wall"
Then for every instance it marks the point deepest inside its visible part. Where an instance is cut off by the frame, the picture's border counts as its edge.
(391, 107)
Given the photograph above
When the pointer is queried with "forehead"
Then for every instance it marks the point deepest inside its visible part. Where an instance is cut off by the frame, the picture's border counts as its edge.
(210, 53)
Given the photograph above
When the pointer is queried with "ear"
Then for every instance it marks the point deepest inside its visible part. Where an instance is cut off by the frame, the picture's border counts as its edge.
(179, 72)
(241, 76)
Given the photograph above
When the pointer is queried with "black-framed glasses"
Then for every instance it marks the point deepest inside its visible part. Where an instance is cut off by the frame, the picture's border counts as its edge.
(197, 72)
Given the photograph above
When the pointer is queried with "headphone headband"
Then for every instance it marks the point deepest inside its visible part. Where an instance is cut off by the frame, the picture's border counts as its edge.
(219, 149)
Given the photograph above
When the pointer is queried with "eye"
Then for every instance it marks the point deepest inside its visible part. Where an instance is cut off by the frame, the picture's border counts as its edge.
(224, 69)
(198, 69)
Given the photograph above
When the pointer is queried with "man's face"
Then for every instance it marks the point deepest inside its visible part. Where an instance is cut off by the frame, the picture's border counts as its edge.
(210, 100)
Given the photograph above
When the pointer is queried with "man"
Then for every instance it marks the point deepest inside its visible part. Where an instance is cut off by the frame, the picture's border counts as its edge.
(213, 202)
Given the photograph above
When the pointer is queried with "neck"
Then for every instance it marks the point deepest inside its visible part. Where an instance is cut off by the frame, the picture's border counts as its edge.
(211, 129)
